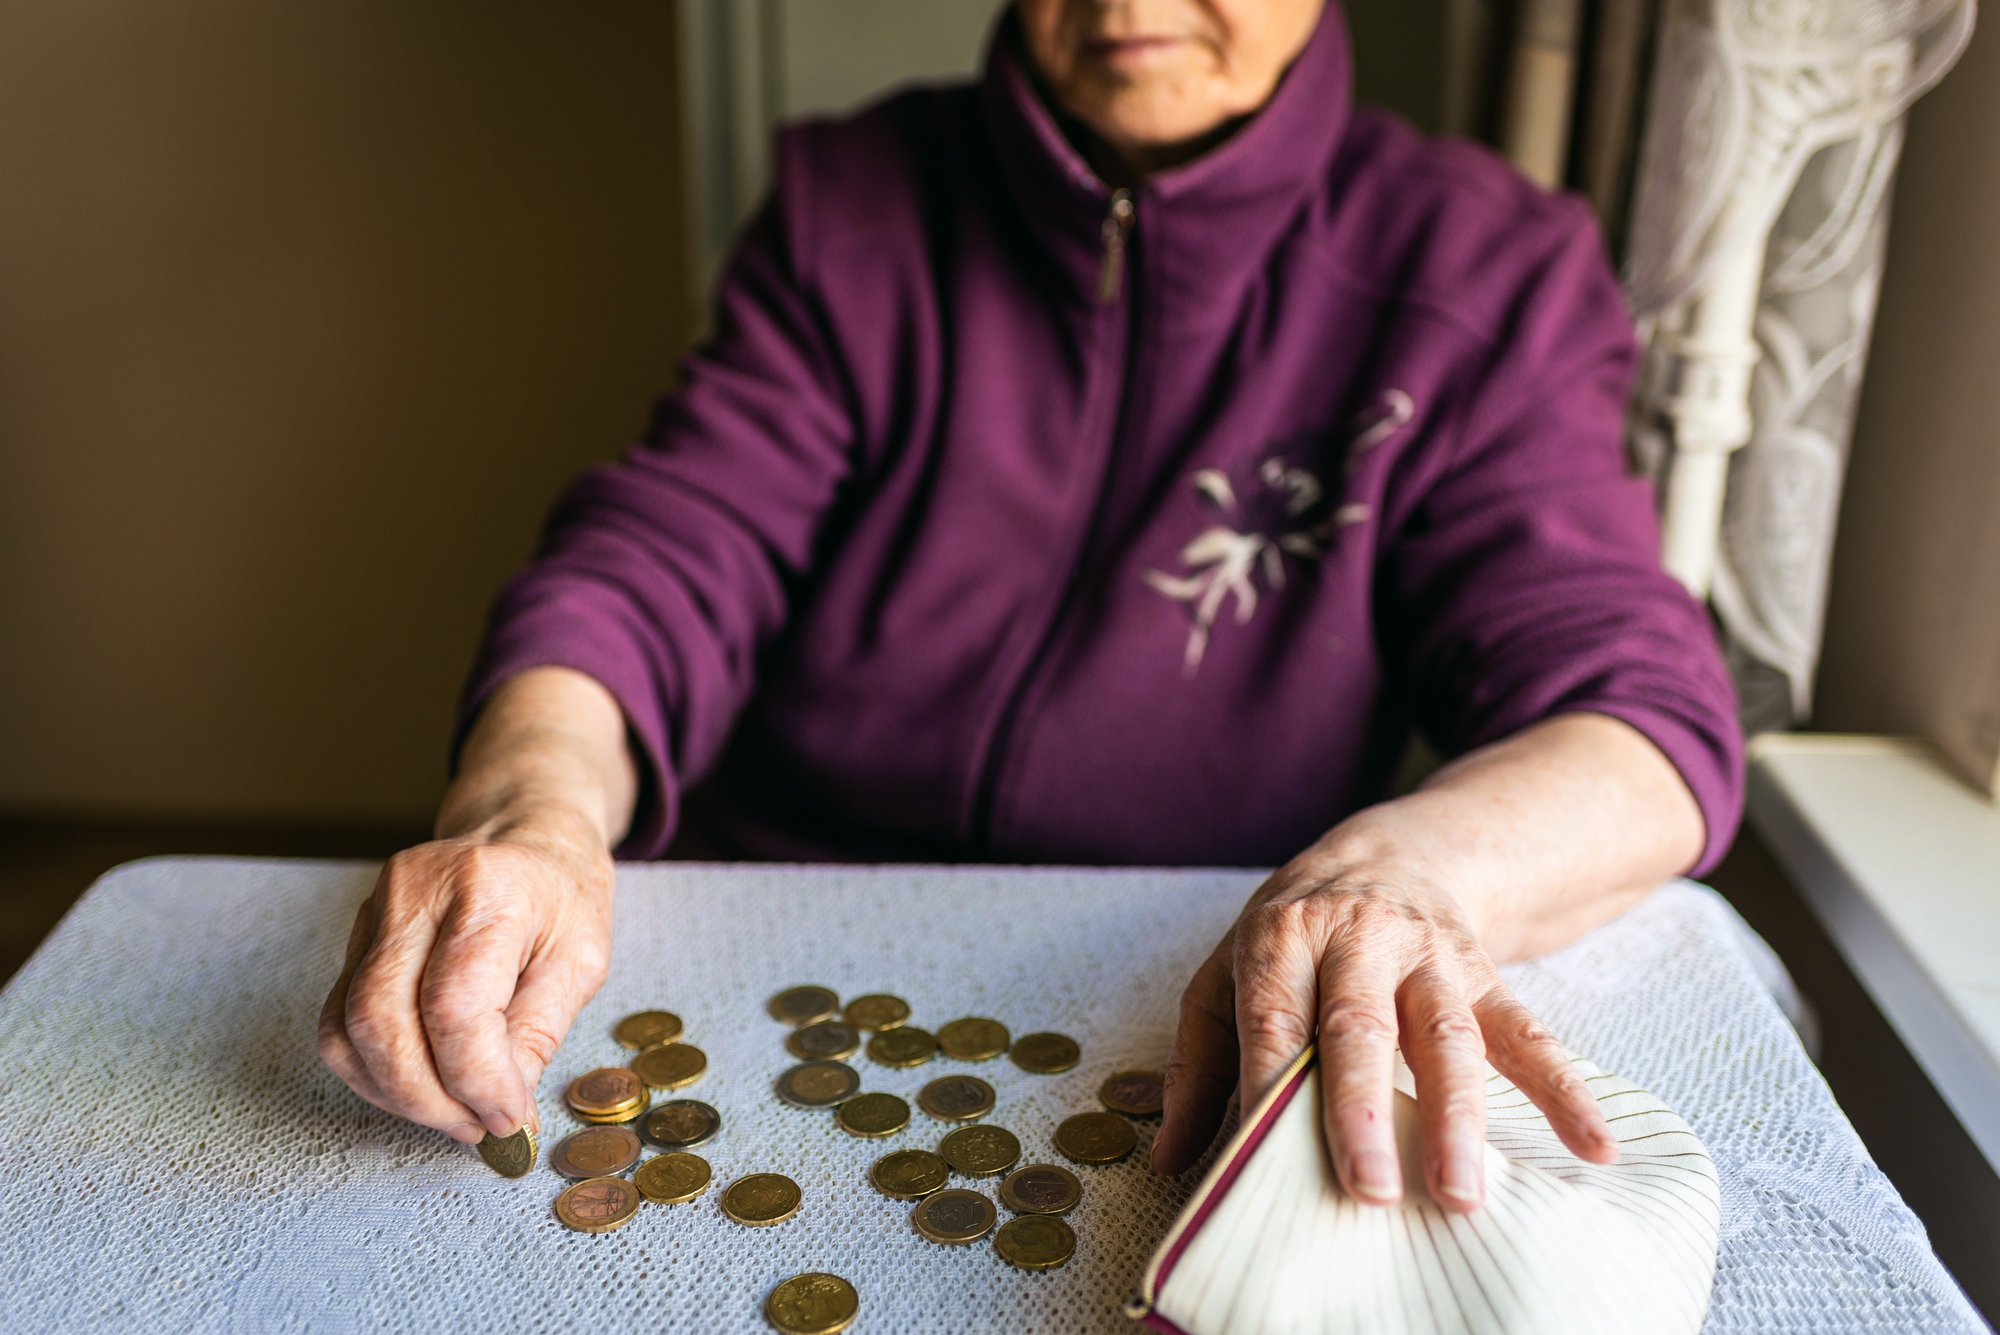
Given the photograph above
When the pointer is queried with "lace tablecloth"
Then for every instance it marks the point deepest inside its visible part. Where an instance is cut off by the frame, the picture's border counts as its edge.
(174, 1157)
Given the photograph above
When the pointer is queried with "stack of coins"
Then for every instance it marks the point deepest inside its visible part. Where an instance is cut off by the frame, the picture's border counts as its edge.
(610, 1094)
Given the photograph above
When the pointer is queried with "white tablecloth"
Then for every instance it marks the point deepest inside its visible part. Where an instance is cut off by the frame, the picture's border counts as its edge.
(174, 1157)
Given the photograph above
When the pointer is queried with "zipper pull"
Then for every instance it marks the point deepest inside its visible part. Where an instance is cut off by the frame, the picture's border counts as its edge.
(1118, 221)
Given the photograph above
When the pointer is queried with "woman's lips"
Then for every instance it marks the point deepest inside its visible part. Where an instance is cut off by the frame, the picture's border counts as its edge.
(1128, 50)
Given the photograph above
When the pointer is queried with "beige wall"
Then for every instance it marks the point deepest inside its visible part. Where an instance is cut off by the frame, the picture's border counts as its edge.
(306, 309)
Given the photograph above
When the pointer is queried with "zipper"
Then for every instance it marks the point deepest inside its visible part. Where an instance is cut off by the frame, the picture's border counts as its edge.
(1117, 226)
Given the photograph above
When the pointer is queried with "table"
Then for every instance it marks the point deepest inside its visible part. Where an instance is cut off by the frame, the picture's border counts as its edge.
(173, 1157)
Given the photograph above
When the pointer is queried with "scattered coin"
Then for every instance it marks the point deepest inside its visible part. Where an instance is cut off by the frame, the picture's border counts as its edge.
(872, 1115)
(1035, 1242)
(1096, 1137)
(670, 1065)
(909, 1175)
(509, 1156)
(973, 1039)
(647, 1029)
(680, 1124)
(669, 1179)
(954, 1217)
(905, 1045)
(829, 1040)
(877, 1010)
(1045, 1054)
(1041, 1188)
(956, 1098)
(804, 1005)
(610, 1092)
(600, 1151)
(818, 1084)
(599, 1205)
(761, 1199)
(1135, 1093)
(816, 1304)
(980, 1151)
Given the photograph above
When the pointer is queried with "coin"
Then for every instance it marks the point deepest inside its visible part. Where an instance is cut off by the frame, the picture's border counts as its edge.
(601, 1151)
(877, 1010)
(829, 1040)
(1045, 1054)
(872, 1115)
(818, 1084)
(1035, 1242)
(954, 1217)
(905, 1045)
(980, 1151)
(973, 1039)
(647, 1029)
(909, 1175)
(509, 1156)
(606, 1092)
(1041, 1188)
(804, 1005)
(761, 1199)
(1096, 1137)
(669, 1179)
(617, 1118)
(1135, 1093)
(598, 1205)
(680, 1124)
(815, 1304)
(956, 1098)
(670, 1065)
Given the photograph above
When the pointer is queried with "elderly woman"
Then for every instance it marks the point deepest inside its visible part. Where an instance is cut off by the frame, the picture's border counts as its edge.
(1107, 463)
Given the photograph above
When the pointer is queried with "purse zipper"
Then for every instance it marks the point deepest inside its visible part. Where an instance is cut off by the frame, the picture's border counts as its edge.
(1117, 226)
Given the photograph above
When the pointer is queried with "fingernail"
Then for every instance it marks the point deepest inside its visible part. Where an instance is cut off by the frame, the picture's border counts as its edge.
(1458, 1178)
(466, 1133)
(1374, 1175)
(500, 1125)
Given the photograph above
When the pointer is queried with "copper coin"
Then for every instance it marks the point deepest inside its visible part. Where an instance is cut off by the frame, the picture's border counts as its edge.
(680, 1124)
(956, 1098)
(1096, 1138)
(1045, 1054)
(509, 1156)
(670, 1065)
(1135, 1093)
(1035, 1242)
(903, 1046)
(877, 1010)
(980, 1151)
(605, 1092)
(762, 1199)
(671, 1179)
(872, 1115)
(909, 1175)
(804, 1005)
(601, 1151)
(599, 1205)
(818, 1084)
(647, 1029)
(1041, 1188)
(828, 1040)
(973, 1039)
(954, 1217)
(813, 1304)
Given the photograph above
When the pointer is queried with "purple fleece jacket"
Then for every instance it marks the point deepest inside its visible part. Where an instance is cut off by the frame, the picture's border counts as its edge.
(1001, 519)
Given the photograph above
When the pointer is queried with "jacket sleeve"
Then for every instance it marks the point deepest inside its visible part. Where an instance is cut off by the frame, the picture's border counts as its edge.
(1525, 580)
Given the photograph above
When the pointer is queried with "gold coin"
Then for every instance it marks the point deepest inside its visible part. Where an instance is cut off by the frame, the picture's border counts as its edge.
(680, 1124)
(877, 1010)
(815, 1304)
(647, 1029)
(1035, 1242)
(818, 1084)
(601, 1151)
(618, 1118)
(670, 1065)
(909, 1175)
(973, 1039)
(954, 1217)
(1135, 1093)
(762, 1199)
(669, 1179)
(804, 1005)
(1041, 1188)
(1045, 1054)
(1096, 1138)
(598, 1205)
(829, 1040)
(509, 1156)
(956, 1098)
(606, 1092)
(980, 1151)
(903, 1046)
(872, 1115)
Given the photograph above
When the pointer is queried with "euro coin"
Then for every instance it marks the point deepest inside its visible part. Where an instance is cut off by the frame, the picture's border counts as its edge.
(1041, 1188)
(670, 1179)
(680, 1124)
(1096, 1137)
(647, 1029)
(956, 1098)
(670, 1065)
(761, 1199)
(509, 1156)
(829, 1040)
(1135, 1093)
(815, 1304)
(601, 1151)
(1035, 1242)
(980, 1151)
(877, 1010)
(872, 1115)
(909, 1175)
(804, 1005)
(954, 1217)
(973, 1039)
(606, 1093)
(1045, 1054)
(903, 1046)
(598, 1205)
(618, 1118)
(818, 1084)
